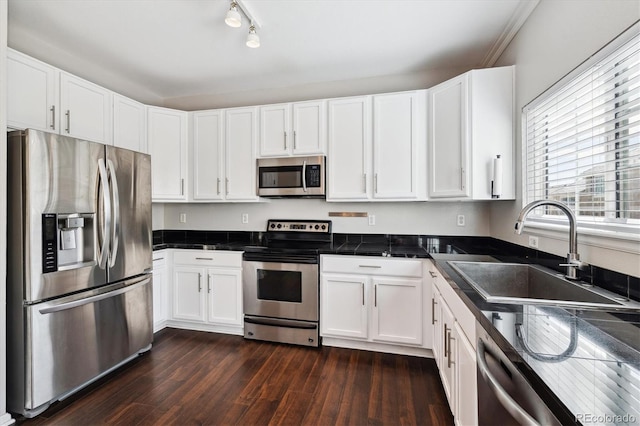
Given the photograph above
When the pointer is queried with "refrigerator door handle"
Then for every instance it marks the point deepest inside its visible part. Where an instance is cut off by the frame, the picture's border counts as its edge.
(104, 214)
(93, 299)
(115, 200)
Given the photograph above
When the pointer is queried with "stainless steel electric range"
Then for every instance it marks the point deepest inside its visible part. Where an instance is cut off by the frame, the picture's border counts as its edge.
(281, 282)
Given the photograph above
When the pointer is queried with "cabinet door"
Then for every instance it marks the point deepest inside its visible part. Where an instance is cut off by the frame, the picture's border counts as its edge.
(397, 310)
(224, 292)
(466, 411)
(188, 296)
(129, 124)
(275, 139)
(309, 128)
(32, 94)
(86, 109)
(168, 148)
(349, 163)
(208, 155)
(448, 139)
(343, 306)
(240, 164)
(159, 295)
(395, 146)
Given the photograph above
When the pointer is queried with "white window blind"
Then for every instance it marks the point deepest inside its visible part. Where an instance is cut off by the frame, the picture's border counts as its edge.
(583, 141)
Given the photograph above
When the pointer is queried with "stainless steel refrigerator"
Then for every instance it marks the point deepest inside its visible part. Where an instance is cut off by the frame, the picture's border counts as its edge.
(79, 297)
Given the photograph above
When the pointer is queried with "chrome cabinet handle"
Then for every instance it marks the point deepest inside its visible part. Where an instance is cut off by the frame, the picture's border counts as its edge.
(450, 338)
(68, 114)
(433, 311)
(364, 182)
(370, 266)
(295, 143)
(208, 283)
(199, 282)
(226, 186)
(518, 413)
(375, 295)
(218, 186)
(433, 274)
(462, 177)
(444, 337)
(204, 258)
(285, 140)
(362, 286)
(53, 117)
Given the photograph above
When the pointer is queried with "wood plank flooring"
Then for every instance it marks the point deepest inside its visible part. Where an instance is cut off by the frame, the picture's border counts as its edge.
(197, 378)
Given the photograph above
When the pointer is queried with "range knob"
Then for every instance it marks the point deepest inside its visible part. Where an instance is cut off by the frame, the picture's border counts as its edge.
(279, 225)
(273, 225)
(324, 227)
(317, 227)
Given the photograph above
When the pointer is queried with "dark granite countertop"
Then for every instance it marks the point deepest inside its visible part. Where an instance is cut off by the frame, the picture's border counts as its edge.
(600, 377)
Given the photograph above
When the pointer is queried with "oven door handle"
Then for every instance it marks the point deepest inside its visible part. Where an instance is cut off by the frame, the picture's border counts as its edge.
(281, 322)
(503, 396)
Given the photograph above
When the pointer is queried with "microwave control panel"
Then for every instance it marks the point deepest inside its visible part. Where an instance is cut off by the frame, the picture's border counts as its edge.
(313, 176)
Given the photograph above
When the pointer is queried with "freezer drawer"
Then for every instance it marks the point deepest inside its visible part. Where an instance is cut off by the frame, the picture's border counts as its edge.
(75, 339)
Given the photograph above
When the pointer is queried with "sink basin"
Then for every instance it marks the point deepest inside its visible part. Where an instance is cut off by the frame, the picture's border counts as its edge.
(517, 283)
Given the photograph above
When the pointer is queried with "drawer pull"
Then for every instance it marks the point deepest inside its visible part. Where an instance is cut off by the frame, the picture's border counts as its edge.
(204, 258)
(160, 258)
(433, 311)
(370, 266)
(433, 274)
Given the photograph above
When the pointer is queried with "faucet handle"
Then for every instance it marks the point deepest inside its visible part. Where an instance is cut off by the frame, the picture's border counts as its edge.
(576, 264)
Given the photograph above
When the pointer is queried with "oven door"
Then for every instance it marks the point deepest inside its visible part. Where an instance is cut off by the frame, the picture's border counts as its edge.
(281, 290)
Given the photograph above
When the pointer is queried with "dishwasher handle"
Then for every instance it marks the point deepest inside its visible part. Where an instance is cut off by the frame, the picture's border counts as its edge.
(501, 394)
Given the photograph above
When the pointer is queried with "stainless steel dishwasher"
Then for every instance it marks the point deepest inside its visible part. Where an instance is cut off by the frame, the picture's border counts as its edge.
(504, 395)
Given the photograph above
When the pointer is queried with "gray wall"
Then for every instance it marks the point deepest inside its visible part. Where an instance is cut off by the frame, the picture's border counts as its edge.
(557, 37)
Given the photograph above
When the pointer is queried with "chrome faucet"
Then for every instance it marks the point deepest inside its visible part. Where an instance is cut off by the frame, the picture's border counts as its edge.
(573, 258)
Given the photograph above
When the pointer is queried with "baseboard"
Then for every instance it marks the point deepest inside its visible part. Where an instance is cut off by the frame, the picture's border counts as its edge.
(237, 330)
(377, 347)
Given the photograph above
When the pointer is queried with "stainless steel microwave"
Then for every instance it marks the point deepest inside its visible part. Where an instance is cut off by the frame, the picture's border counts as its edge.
(291, 177)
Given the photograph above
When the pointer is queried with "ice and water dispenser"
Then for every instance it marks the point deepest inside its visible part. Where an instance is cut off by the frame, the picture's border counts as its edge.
(67, 241)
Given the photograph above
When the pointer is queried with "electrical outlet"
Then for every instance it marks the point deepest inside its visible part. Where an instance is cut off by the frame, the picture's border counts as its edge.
(372, 219)
(245, 217)
(460, 220)
(183, 218)
(533, 241)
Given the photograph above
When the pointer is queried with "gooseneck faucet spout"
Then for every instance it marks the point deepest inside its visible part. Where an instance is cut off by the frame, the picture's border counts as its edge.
(573, 258)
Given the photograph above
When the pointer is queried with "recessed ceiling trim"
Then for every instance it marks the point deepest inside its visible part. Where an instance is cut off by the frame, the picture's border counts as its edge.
(513, 26)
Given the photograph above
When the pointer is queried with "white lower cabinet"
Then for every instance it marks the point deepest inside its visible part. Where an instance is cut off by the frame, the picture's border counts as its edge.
(159, 290)
(372, 301)
(207, 291)
(453, 328)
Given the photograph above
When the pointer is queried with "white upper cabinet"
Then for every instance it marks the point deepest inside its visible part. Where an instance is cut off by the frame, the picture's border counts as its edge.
(208, 155)
(44, 98)
(377, 148)
(240, 156)
(349, 159)
(399, 145)
(86, 109)
(167, 138)
(129, 124)
(292, 129)
(470, 124)
(33, 93)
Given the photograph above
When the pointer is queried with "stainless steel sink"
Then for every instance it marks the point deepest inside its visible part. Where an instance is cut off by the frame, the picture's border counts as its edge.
(516, 283)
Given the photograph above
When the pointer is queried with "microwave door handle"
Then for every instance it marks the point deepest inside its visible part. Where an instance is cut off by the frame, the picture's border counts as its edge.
(115, 200)
(304, 176)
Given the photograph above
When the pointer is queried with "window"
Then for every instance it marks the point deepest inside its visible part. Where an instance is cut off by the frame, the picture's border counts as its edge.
(582, 140)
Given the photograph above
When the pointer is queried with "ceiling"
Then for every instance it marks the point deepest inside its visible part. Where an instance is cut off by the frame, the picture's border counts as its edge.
(157, 50)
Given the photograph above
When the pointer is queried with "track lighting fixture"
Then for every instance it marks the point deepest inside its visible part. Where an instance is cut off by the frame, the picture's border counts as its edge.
(253, 40)
(234, 19)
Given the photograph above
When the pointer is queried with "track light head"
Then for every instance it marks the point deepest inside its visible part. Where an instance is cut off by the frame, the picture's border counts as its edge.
(253, 40)
(233, 18)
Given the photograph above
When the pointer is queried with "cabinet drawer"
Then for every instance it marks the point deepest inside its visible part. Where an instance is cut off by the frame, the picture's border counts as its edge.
(372, 266)
(159, 258)
(230, 259)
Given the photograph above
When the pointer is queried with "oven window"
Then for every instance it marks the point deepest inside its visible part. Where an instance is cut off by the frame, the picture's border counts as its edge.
(281, 177)
(283, 286)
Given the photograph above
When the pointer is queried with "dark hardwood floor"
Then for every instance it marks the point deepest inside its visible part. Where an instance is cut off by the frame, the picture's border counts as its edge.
(197, 378)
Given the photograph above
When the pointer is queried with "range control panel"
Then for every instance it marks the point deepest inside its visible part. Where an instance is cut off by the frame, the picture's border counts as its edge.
(315, 226)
